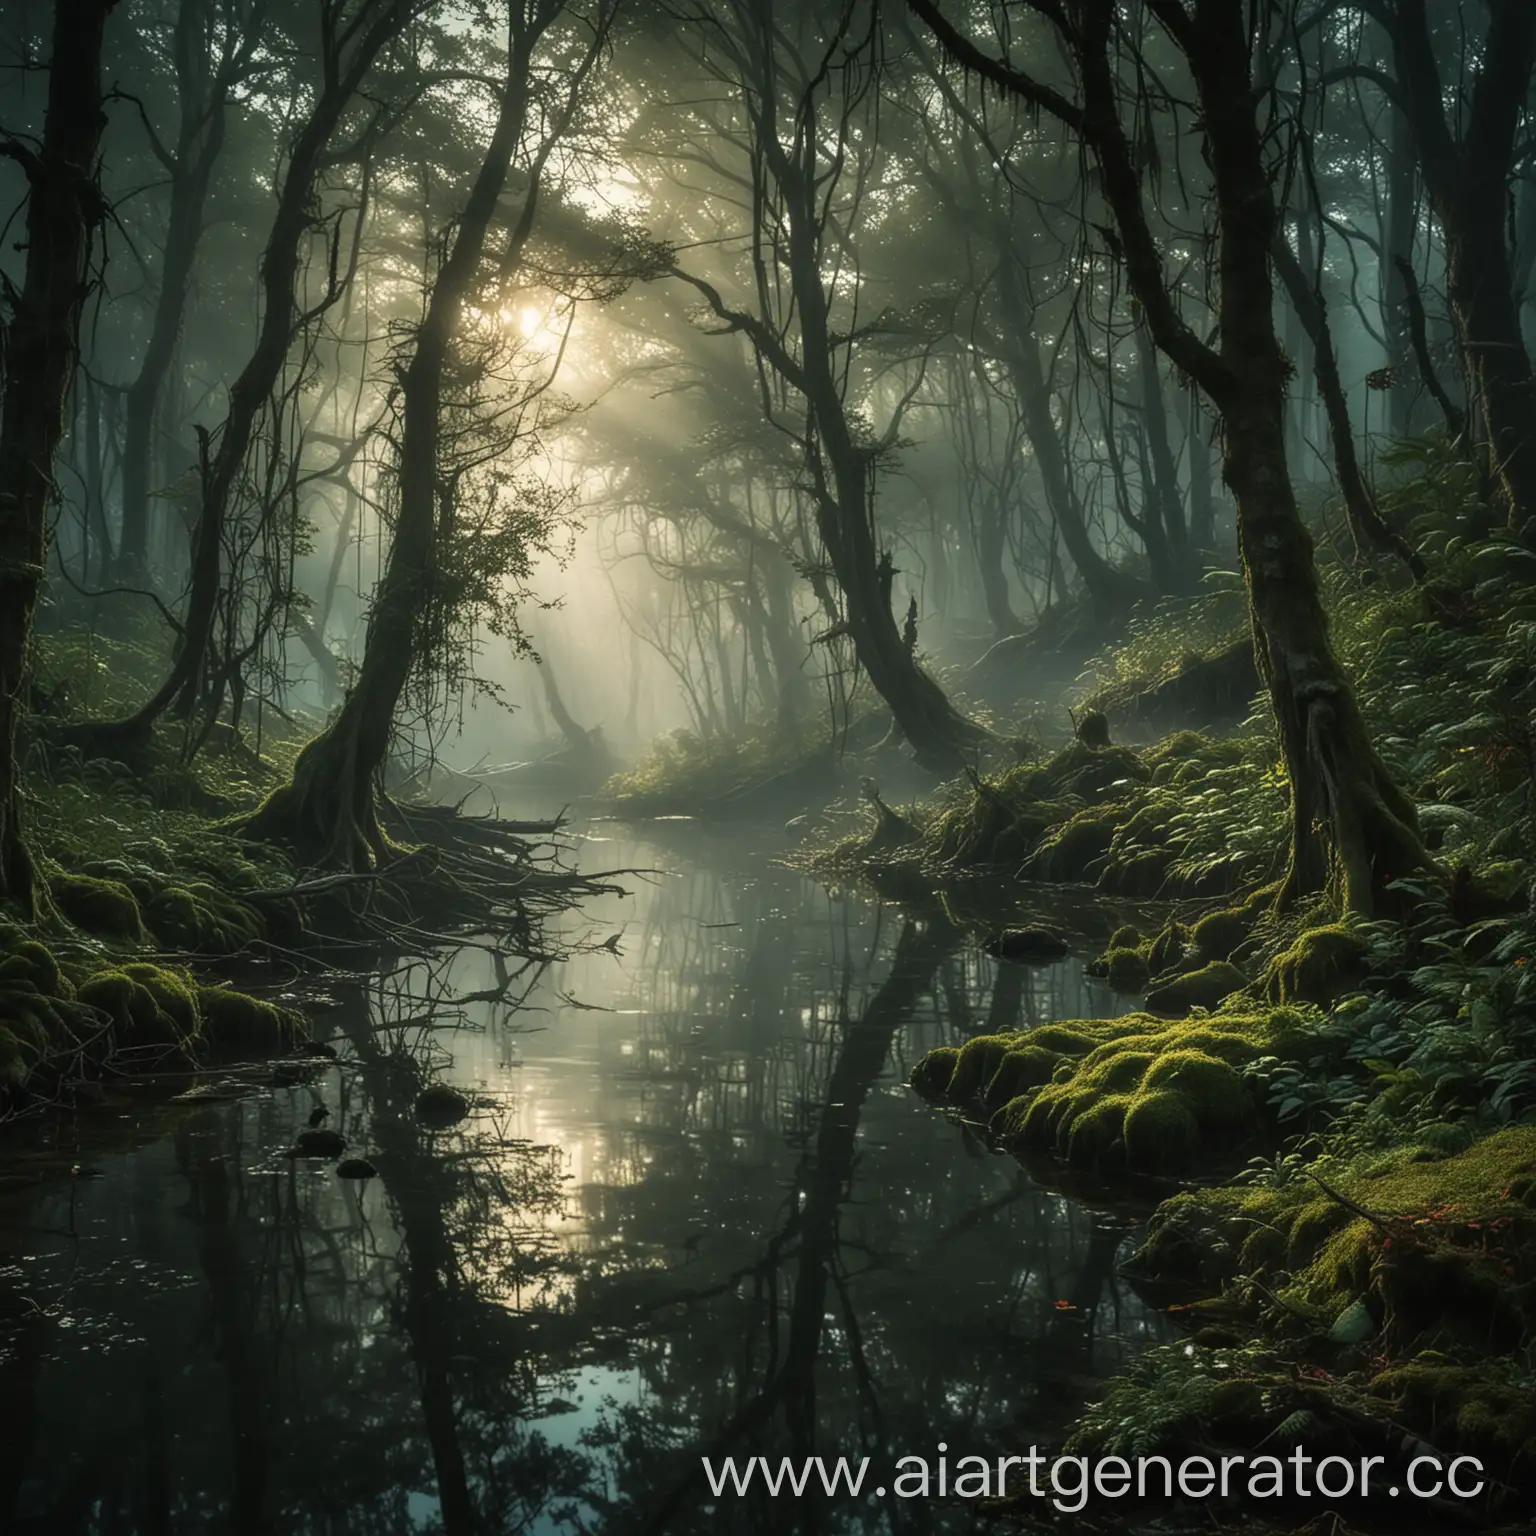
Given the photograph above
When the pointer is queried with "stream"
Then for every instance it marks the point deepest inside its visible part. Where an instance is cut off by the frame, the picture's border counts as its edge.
(693, 1211)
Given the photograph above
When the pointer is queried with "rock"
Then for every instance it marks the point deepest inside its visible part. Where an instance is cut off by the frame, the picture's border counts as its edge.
(314, 1048)
(319, 1143)
(1204, 988)
(356, 1168)
(440, 1105)
(1028, 946)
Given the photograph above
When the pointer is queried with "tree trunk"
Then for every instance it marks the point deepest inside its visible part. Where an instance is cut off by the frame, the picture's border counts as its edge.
(1468, 183)
(991, 567)
(1337, 781)
(1202, 503)
(328, 810)
(1399, 229)
(281, 266)
(1339, 789)
(42, 347)
(200, 138)
(937, 733)
(786, 646)
(1111, 591)
(1366, 524)
(1165, 506)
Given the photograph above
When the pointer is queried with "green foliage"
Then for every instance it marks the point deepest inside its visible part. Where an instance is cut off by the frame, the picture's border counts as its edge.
(1172, 1395)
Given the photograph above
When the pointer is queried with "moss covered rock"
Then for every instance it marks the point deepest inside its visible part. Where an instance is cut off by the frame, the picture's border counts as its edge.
(1046, 1089)
(1322, 965)
(99, 906)
(932, 1075)
(233, 1020)
(1217, 934)
(202, 919)
(1162, 1134)
(1126, 970)
(1203, 988)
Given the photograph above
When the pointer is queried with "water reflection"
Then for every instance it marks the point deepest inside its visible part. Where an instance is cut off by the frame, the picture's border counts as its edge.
(693, 1211)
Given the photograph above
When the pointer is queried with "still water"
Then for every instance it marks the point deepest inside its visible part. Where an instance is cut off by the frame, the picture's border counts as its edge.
(693, 1211)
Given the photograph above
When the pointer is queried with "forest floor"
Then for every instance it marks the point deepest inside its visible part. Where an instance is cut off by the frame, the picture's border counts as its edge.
(155, 911)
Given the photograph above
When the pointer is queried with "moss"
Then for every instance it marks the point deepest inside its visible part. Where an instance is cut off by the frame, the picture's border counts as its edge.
(1208, 1086)
(1063, 1039)
(1028, 946)
(1472, 1411)
(1308, 1228)
(1320, 966)
(38, 1015)
(99, 906)
(151, 1010)
(1204, 988)
(1140, 872)
(932, 1074)
(1093, 1135)
(1126, 937)
(26, 962)
(1131, 1059)
(233, 1019)
(1167, 949)
(1113, 1070)
(1072, 850)
(1442, 1260)
(1217, 934)
(1018, 1072)
(978, 1061)
(200, 918)
(1126, 970)
(1161, 1133)
(173, 991)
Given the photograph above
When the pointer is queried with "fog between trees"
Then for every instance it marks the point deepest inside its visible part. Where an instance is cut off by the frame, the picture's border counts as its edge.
(749, 363)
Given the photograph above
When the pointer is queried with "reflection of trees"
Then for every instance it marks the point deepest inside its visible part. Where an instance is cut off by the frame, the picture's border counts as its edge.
(772, 1248)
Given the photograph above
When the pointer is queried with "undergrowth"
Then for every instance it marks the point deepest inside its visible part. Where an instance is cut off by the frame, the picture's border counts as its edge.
(681, 771)
(1363, 1284)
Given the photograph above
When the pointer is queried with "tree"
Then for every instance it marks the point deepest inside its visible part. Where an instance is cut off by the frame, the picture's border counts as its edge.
(1467, 174)
(351, 40)
(203, 88)
(1348, 817)
(805, 90)
(41, 349)
(328, 810)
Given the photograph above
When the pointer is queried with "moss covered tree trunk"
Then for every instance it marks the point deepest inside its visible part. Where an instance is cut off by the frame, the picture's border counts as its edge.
(41, 350)
(1344, 803)
(328, 811)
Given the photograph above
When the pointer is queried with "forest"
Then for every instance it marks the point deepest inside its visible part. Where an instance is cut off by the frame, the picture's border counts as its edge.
(755, 731)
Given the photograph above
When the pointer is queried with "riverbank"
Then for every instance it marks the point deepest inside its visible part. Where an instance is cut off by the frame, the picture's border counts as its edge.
(1356, 1098)
(153, 900)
